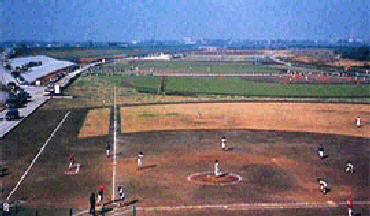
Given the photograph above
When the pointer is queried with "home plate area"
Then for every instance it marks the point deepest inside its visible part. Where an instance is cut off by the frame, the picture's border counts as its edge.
(75, 169)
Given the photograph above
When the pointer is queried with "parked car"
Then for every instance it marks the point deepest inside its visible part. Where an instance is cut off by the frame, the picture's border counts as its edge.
(12, 114)
(13, 102)
(22, 96)
(48, 90)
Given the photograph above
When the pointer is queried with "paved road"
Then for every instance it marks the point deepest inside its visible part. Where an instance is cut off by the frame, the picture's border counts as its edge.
(36, 101)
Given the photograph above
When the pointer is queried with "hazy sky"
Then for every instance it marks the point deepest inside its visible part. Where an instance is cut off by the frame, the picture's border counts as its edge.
(117, 21)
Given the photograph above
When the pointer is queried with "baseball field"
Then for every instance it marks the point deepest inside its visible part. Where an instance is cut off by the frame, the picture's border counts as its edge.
(272, 147)
(198, 67)
(239, 86)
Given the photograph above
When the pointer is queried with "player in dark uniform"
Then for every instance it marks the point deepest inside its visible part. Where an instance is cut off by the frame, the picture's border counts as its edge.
(92, 204)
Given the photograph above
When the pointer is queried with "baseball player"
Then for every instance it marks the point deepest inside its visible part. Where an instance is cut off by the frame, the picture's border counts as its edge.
(223, 143)
(92, 204)
(140, 161)
(71, 161)
(358, 122)
(350, 207)
(100, 193)
(323, 186)
(108, 150)
(349, 168)
(320, 151)
(217, 171)
(121, 193)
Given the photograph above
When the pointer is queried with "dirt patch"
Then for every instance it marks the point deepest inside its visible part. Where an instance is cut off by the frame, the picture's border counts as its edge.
(96, 123)
(297, 117)
(347, 63)
(210, 179)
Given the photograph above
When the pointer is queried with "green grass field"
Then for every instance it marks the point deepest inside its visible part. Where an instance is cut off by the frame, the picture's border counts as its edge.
(197, 67)
(235, 85)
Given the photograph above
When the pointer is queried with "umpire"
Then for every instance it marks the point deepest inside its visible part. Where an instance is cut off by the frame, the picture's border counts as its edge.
(92, 204)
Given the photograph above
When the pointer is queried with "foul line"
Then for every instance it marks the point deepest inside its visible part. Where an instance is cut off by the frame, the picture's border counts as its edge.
(114, 141)
(246, 206)
(118, 211)
(38, 154)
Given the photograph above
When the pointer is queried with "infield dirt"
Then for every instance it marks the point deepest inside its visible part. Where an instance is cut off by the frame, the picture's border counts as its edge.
(292, 117)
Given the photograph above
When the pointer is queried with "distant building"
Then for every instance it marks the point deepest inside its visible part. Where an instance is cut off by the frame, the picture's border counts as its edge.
(160, 56)
(187, 40)
(212, 49)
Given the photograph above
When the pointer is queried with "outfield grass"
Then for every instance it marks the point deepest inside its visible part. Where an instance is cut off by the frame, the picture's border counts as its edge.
(97, 91)
(197, 67)
(235, 85)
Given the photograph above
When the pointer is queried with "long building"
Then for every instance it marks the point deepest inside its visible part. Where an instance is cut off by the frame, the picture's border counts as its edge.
(47, 65)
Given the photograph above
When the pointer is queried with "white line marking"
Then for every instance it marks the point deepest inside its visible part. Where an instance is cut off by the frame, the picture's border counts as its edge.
(81, 213)
(247, 206)
(114, 142)
(241, 206)
(38, 154)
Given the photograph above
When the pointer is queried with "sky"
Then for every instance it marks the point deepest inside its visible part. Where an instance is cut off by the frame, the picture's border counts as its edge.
(125, 20)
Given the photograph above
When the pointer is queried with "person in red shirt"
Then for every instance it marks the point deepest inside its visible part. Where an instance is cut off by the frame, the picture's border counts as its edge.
(350, 207)
(100, 193)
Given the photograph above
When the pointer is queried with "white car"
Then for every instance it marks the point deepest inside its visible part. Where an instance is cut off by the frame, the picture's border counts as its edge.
(48, 90)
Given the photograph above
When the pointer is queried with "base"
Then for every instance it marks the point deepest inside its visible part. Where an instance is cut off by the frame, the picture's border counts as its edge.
(73, 170)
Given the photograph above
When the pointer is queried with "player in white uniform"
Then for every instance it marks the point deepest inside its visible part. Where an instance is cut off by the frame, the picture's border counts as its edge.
(358, 122)
(71, 161)
(217, 170)
(349, 168)
(140, 161)
(323, 186)
(108, 150)
(320, 151)
(121, 193)
(223, 143)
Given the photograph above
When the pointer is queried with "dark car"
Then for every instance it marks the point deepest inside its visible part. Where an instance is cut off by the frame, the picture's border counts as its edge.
(12, 114)
(13, 105)
(13, 102)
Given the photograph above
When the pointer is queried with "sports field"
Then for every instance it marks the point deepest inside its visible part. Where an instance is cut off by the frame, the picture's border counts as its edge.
(277, 165)
(273, 147)
(238, 86)
(198, 66)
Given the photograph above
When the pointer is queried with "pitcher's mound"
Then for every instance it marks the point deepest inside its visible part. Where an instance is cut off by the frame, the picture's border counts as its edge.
(208, 178)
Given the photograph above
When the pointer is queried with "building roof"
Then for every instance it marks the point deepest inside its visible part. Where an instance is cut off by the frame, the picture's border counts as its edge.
(5, 76)
(48, 66)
